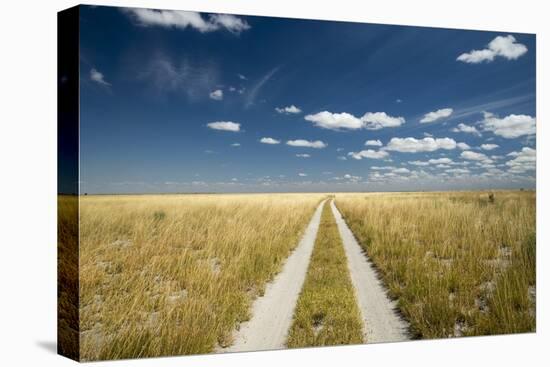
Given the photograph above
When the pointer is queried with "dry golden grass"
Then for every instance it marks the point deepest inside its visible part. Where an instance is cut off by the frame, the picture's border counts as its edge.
(67, 281)
(174, 274)
(327, 311)
(458, 263)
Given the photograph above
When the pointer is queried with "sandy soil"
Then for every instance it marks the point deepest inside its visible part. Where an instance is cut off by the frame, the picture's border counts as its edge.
(381, 323)
(272, 314)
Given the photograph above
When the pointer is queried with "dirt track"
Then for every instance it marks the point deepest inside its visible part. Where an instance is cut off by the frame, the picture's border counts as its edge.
(272, 314)
(380, 321)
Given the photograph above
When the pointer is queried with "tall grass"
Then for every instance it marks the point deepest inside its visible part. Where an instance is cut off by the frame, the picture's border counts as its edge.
(458, 263)
(174, 274)
(67, 282)
(327, 311)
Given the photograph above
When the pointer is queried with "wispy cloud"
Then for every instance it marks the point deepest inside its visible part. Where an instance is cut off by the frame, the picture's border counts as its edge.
(167, 75)
(98, 77)
(250, 98)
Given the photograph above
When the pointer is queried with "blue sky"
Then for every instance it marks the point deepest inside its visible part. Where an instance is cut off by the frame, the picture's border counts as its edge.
(176, 101)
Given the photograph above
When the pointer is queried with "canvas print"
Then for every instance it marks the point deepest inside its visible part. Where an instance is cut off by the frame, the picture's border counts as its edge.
(234, 183)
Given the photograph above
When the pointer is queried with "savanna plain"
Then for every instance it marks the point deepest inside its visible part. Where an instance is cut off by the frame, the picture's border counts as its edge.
(177, 274)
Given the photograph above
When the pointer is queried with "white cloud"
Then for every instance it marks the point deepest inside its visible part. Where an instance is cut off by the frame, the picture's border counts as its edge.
(342, 158)
(269, 141)
(436, 115)
(344, 120)
(374, 143)
(440, 161)
(383, 168)
(511, 126)
(525, 160)
(419, 163)
(335, 121)
(303, 155)
(463, 146)
(183, 19)
(474, 156)
(489, 146)
(289, 109)
(216, 95)
(506, 47)
(412, 145)
(98, 77)
(302, 174)
(463, 128)
(380, 120)
(318, 144)
(250, 97)
(225, 126)
(241, 76)
(433, 161)
(458, 170)
(236, 144)
(401, 170)
(369, 153)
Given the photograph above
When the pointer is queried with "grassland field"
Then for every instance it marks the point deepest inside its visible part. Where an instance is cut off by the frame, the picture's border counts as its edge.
(459, 263)
(176, 274)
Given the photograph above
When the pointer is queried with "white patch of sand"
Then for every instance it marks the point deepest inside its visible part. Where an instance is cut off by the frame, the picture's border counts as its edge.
(381, 323)
(273, 313)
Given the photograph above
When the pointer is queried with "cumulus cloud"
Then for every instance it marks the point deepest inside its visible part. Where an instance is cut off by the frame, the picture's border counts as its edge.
(474, 156)
(236, 144)
(436, 115)
(458, 170)
(303, 155)
(433, 161)
(511, 126)
(369, 153)
(489, 146)
(374, 143)
(401, 170)
(344, 120)
(506, 47)
(380, 120)
(317, 144)
(302, 174)
(184, 19)
(98, 77)
(224, 125)
(440, 161)
(289, 109)
(463, 128)
(269, 141)
(216, 95)
(335, 121)
(413, 145)
(525, 160)
(462, 146)
(419, 163)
